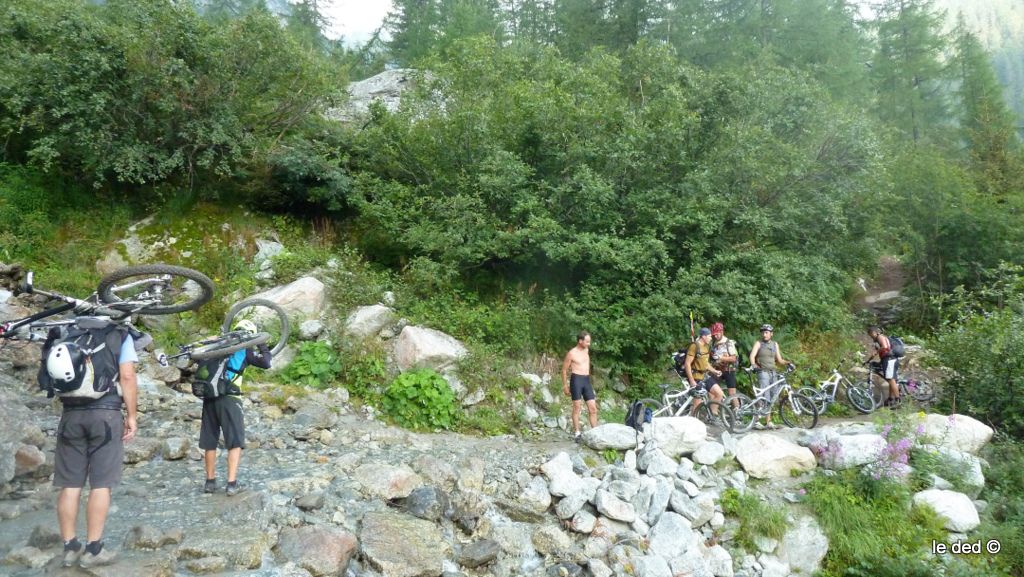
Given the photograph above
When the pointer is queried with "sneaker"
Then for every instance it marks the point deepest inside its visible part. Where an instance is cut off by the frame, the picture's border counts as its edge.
(104, 557)
(71, 556)
(772, 426)
(895, 403)
(577, 437)
(234, 489)
(210, 486)
(759, 426)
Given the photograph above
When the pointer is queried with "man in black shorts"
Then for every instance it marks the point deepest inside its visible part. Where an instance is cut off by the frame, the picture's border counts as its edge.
(223, 413)
(576, 382)
(90, 446)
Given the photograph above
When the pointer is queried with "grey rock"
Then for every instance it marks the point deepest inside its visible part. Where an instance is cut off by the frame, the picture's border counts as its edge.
(175, 448)
(365, 322)
(387, 481)
(310, 329)
(141, 449)
(423, 347)
(320, 549)
(479, 553)
(610, 436)
(430, 503)
(43, 537)
(583, 522)
(241, 548)
(206, 565)
(709, 453)
(311, 501)
(671, 536)
(803, 546)
(402, 546)
(614, 508)
(550, 540)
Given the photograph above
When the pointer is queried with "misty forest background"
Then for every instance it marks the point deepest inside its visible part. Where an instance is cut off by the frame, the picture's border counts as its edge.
(614, 165)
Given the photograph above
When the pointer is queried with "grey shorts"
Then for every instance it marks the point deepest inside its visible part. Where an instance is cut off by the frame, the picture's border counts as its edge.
(223, 414)
(89, 447)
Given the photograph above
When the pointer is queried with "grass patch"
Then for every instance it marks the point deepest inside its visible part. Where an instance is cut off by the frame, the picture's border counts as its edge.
(486, 421)
(756, 517)
(871, 526)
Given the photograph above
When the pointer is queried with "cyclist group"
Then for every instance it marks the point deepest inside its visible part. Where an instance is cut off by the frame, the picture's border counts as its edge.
(715, 356)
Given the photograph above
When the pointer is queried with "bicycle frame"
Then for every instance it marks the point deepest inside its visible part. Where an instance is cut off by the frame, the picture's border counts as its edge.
(771, 393)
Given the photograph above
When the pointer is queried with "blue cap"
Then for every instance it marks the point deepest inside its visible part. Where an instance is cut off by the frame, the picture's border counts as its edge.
(704, 331)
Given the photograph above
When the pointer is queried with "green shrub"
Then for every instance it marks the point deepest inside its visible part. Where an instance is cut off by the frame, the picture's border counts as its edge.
(756, 518)
(610, 456)
(421, 399)
(364, 370)
(315, 365)
(867, 522)
(487, 421)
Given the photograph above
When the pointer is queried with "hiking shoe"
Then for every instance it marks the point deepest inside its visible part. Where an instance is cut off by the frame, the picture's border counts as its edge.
(895, 403)
(104, 557)
(577, 437)
(71, 556)
(210, 486)
(234, 489)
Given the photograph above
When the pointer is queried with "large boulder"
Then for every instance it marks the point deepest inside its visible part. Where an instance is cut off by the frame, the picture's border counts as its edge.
(322, 550)
(386, 88)
(304, 298)
(387, 481)
(955, 508)
(848, 451)
(610, 436)
(367, 321)
(423, 347)
(803, 546)
(677, 436)
(765, 456)
(562, 480)
(958, 432)
(402, 546)
(966, 465)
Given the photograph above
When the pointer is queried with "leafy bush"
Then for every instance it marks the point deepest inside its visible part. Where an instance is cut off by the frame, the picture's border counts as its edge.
(756, 518)
(421, 399)
(315, 365)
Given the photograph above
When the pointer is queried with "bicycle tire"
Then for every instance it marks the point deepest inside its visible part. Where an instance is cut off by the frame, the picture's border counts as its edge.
(744, 412)
(107, 295)
(860, 399)
(804, 415)
(282, 317)
(923, 391)
(657, 407)
(232, 345)
(818, 396)
(715, 414)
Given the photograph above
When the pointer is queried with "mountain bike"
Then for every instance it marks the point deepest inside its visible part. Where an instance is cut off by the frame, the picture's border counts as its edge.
(269, 317)
(154, 289)
(825, 393)
(690, 401)
(795, 409)
(921, 390)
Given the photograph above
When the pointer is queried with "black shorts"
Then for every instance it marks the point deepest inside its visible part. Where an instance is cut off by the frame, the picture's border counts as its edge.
(223, 414)
(89, 446)
(728, 378)
(579, 387)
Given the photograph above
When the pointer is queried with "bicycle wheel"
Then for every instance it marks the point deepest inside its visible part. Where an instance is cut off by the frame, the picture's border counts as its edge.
(227, 345)
(155, 289)
(716, 415)
(267, 315)
(816, 395)
(657, 409)
(860, 399)
(798, 411)
(920, 390)
(744, 412)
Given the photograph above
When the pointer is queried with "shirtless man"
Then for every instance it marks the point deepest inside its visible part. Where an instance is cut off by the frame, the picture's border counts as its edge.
(577, 384)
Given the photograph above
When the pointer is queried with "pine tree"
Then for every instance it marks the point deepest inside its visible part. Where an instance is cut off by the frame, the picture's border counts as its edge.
(413, 25)
(986, 123)
(907, 68)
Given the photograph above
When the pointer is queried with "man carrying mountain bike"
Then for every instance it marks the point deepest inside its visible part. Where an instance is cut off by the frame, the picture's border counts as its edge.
(222, 407)
(889, 364)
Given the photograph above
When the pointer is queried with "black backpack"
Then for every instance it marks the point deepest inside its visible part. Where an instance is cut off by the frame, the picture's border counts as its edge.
(897, 348)
(209, 381)
(637, 415)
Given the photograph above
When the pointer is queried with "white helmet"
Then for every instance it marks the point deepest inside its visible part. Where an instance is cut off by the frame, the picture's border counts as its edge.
(68, 366)
(246, 325)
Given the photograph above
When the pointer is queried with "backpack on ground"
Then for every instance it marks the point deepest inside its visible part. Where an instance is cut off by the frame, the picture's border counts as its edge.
(637, 415)
(897, 348)
(80, 361)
